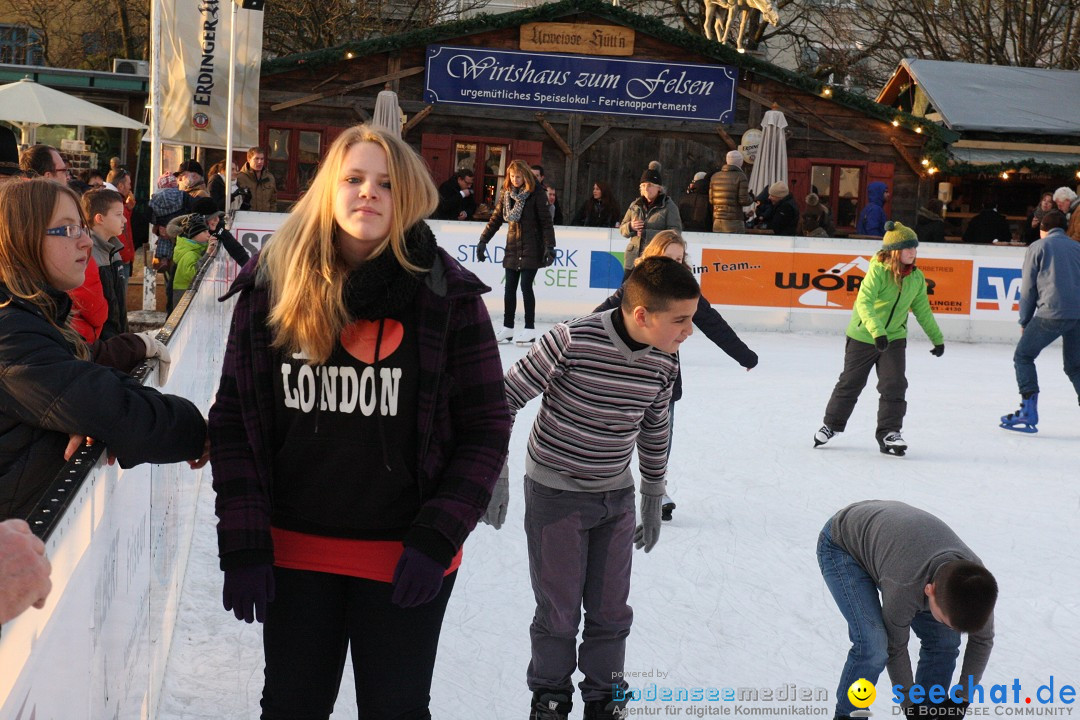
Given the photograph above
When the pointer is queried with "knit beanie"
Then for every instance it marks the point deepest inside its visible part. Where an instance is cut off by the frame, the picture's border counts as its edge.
(651, 174)
(812, 200)
(734, 157)
(189, 226)
(699, 176)
(778, 189)
(898, 236)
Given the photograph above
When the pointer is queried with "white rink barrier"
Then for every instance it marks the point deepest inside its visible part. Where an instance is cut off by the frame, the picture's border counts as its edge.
(758, 282)
(119, 550)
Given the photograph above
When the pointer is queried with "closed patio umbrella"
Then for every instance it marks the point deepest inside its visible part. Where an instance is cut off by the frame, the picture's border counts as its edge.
(387, 112)
(771, 163)
(27, 104)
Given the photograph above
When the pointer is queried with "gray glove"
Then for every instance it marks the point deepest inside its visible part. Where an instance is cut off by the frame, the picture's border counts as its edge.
(648, 532)
(500, 498)
(157, 349)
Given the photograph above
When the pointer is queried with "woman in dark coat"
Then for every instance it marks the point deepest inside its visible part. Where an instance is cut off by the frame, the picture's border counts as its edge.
(600, 209)
(530, 245)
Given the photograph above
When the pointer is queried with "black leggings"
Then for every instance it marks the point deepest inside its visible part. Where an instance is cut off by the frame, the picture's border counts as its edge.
(315, 617)
(510, 297)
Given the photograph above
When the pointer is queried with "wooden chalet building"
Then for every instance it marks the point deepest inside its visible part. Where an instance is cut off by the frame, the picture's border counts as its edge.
(480, 92)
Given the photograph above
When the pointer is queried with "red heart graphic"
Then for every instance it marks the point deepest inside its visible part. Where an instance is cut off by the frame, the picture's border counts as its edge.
(358, 338)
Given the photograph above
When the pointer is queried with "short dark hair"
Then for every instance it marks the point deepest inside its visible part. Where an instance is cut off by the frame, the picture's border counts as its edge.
(37, 160)
(463, 173)
(98, 201)
(1053, 219)
(966, 592)
(935, 206)
(538, 168)
(656, 282)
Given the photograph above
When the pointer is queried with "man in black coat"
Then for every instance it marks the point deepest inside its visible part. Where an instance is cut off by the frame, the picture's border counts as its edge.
(989, 225)
(785, 214)
(456, 199)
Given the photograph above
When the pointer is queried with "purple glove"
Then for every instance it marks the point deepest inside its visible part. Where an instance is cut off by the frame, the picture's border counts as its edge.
(248, 590)
(417, 579)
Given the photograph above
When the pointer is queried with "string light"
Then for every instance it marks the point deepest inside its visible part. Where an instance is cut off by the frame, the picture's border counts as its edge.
(1005, 175)
(349, 56)
(895, 122)
(926, 162)
(827, 91)
(931, 170)
(918, 129)
(1078, 174)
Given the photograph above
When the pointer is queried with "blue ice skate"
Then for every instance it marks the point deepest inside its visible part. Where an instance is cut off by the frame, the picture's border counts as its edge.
(1026, 418)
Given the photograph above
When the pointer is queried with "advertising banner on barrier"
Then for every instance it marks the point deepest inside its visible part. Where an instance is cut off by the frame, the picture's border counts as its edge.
(816, 280)
(579, 83)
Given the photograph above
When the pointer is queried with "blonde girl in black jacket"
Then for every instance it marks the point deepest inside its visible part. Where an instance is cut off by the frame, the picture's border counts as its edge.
(530, 245)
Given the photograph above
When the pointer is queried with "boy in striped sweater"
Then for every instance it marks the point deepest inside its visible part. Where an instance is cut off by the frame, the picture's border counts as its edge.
(606, 381)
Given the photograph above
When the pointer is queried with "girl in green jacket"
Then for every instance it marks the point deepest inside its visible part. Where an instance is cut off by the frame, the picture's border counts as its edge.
(877, 338)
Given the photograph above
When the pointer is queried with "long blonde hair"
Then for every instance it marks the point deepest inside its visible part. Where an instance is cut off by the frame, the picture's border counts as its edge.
(660, 243)
(25, 210)
(525, 171)
(305, 271)
(891, 260)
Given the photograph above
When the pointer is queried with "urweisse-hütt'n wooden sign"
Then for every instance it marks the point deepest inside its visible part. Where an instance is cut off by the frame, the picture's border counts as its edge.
(577, 38)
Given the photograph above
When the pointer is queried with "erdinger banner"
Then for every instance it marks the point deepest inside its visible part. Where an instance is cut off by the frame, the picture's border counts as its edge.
(194, 72)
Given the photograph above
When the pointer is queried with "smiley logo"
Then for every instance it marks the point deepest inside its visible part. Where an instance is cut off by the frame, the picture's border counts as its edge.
(862, 693)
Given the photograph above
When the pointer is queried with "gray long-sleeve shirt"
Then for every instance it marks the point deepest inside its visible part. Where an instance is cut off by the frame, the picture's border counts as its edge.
(901, 548)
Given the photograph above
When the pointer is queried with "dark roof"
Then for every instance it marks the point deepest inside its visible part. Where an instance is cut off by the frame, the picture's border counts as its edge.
(600, 8)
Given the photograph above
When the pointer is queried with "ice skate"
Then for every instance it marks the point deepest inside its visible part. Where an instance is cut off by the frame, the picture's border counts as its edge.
(525, 337)
(603, 710)
(548, 705)
(892, 444)
(824, 435)
(1026, 418)
(504, 335)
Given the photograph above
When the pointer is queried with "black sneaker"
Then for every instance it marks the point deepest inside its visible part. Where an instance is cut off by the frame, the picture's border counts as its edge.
(550, 705)
(604, 710)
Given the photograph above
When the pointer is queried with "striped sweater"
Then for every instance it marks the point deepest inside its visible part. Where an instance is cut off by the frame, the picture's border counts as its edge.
(600, 398)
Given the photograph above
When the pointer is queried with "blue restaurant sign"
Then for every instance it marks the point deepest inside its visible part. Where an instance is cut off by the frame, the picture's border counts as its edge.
(580, 83)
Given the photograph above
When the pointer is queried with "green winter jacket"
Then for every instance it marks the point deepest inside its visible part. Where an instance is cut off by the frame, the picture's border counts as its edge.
(882, 308)
(186, 255)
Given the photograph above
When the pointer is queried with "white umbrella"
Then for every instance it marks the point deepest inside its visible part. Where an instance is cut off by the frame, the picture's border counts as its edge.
(771, 162)
(387, 112)
(27, 104)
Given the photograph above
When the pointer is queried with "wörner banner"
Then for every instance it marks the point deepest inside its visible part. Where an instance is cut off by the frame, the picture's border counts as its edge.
(579, 83)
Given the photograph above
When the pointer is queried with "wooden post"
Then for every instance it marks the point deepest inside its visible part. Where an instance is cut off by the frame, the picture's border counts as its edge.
(570, 181)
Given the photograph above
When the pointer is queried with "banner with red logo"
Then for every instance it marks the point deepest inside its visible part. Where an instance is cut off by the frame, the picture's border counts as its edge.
(194, 73)
(817, 280)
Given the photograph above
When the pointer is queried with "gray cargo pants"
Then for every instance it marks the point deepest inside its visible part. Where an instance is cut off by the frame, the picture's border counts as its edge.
(580, 551)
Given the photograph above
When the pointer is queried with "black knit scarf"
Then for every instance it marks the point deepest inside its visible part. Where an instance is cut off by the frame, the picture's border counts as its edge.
(381, 287)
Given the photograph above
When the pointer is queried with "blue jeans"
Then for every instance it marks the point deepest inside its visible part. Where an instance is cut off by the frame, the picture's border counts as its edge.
(1039, 333)
(856, 594)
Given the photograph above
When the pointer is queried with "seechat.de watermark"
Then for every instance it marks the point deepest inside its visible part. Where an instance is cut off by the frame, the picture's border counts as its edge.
(1003, 699)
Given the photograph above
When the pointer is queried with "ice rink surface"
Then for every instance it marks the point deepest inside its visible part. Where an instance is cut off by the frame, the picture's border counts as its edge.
(731, 597)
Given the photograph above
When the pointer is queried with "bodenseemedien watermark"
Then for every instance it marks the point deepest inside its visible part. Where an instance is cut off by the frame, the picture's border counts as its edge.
(787, 700)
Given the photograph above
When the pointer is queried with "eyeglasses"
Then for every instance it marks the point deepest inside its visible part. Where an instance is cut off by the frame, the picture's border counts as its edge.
(70, 231)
